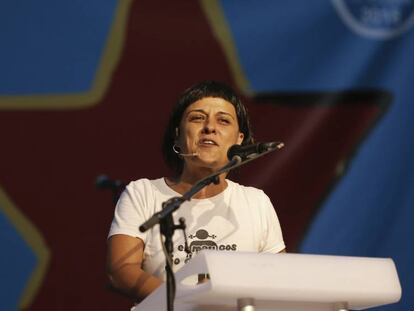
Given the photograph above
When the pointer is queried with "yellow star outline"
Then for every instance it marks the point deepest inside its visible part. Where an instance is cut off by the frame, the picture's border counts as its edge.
(34, 240)
(222, 32)
(107, 64)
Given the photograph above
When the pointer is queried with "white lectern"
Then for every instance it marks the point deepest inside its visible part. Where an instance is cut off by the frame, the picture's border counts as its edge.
(283, 282)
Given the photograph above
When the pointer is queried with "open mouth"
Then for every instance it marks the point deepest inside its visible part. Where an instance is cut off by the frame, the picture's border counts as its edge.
(207, 142)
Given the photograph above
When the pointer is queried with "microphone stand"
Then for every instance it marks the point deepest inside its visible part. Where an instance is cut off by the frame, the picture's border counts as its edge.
(167, 226)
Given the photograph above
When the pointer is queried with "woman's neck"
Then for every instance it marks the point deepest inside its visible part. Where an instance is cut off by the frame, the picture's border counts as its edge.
(186, 181)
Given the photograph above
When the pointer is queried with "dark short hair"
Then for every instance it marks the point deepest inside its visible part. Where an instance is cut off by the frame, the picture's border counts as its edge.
(194, 93)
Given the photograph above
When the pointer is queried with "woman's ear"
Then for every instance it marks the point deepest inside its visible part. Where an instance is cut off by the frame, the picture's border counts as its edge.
(240, 138)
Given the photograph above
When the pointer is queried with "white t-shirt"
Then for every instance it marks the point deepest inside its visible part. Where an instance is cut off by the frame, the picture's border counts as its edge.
(238, 219)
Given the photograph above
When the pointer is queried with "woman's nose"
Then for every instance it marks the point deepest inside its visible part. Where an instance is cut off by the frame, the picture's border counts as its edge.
(209, 127)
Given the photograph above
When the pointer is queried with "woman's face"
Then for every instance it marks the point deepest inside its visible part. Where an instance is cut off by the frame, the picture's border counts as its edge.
(209, 127)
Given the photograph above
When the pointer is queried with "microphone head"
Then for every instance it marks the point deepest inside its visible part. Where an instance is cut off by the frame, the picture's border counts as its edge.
(248, 151)
(102, 181)
(233, 151)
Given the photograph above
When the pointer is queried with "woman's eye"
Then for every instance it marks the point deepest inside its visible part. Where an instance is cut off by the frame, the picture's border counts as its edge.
(197, 118)
(225, 121)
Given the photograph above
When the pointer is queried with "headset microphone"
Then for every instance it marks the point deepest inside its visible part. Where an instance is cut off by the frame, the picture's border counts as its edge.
(194, 154)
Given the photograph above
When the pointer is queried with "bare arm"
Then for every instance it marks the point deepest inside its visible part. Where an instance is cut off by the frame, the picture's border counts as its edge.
(124, 267)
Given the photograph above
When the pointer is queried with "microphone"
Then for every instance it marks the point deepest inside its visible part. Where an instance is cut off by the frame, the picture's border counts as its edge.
(194, 154)
(104, 182)
(245, 152)
(115, 185)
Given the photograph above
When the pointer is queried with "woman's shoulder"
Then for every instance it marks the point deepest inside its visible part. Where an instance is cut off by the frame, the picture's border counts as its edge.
(249, 190)
(144, 184)
(252, 196)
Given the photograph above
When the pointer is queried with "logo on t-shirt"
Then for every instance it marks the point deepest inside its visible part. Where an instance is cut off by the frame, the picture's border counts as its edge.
(202, 240)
